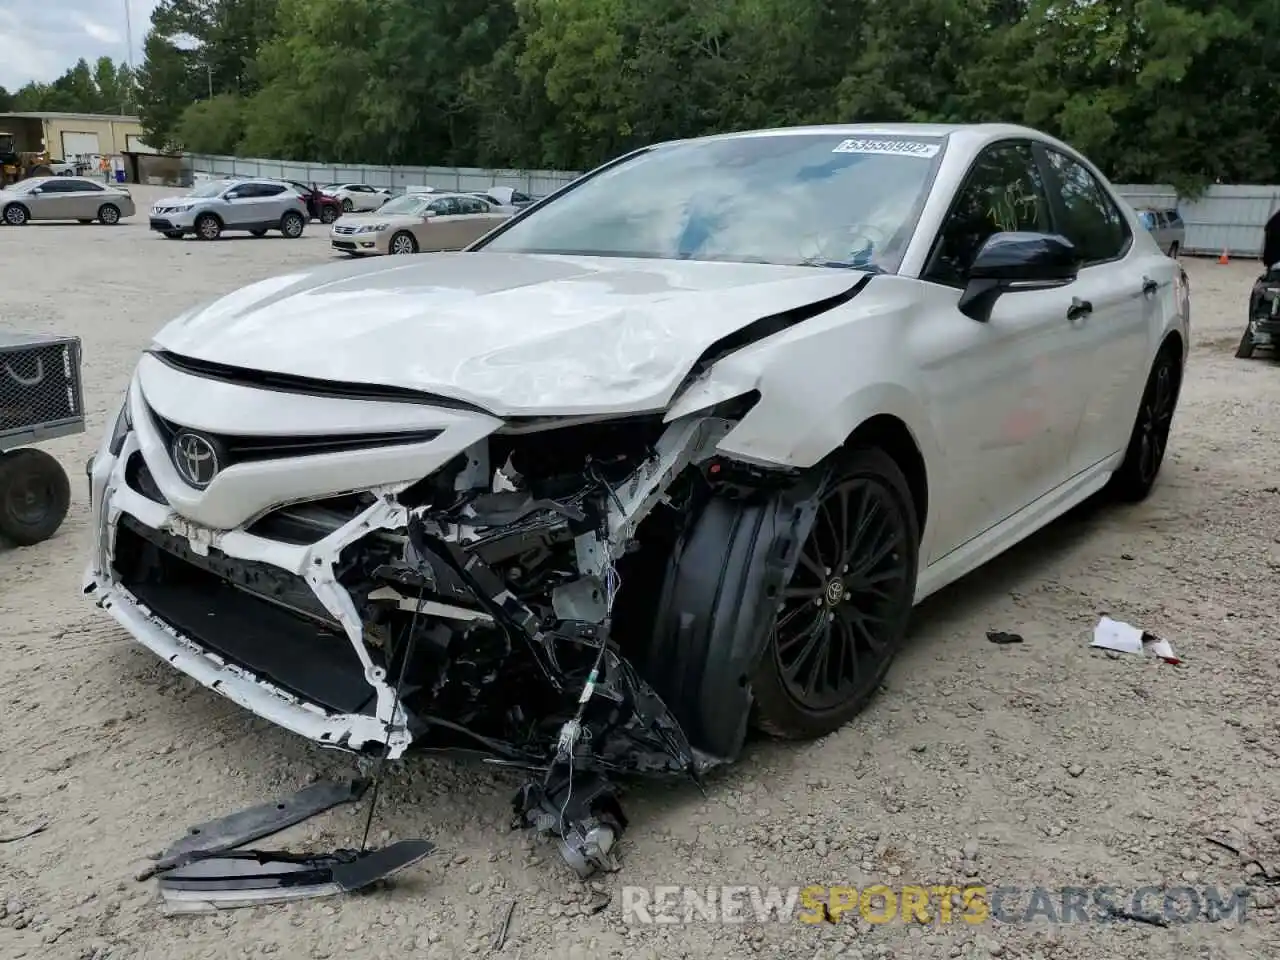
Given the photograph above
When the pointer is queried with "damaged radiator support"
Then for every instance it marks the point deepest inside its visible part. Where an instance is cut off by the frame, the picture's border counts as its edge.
(610, 720)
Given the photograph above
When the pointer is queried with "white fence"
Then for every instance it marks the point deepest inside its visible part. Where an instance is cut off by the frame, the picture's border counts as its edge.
(1226, 217)
(462, 179)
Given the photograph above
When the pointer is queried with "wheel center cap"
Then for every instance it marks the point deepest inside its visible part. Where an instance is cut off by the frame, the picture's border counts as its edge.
(834, 592)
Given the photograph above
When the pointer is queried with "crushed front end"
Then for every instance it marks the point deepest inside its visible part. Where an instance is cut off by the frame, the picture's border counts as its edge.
(519, 601)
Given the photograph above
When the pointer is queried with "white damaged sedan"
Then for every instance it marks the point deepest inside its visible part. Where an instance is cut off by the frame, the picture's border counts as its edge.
(668, 455)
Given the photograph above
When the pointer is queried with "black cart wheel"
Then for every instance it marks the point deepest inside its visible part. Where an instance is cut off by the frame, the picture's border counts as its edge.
(844, 613)
(35, 495)
(1150, 438)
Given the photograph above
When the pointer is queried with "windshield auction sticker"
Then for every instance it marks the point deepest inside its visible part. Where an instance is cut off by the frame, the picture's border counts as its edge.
(892, 146)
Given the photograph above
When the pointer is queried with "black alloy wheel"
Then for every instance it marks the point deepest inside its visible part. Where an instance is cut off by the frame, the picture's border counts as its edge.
(1150, 438)
(1154, 423)
(844, 613)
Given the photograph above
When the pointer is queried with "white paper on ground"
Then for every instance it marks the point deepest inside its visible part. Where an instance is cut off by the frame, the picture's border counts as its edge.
(1116, 635)
(1164, 650)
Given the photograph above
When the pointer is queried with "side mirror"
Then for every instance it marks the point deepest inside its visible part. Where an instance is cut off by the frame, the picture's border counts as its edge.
(1009, 262)
(37, 189)
(428, 214)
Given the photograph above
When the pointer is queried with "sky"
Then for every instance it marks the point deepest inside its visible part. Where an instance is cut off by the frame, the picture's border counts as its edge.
(40, 39)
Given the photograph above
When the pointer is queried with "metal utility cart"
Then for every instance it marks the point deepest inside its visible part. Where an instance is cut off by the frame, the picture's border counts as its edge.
(40, 399)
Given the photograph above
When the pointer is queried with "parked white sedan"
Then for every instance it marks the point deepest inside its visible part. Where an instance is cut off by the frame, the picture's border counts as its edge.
(357, 197)
(678, 448)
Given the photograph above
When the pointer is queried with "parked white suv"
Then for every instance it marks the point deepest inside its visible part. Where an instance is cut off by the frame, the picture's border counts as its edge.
(255, 206)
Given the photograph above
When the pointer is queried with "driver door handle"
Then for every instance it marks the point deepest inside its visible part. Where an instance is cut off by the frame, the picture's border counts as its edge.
(1079, 309)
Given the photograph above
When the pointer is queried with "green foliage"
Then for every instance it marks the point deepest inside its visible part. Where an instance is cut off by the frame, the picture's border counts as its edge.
(103, 87)
(1176, 91)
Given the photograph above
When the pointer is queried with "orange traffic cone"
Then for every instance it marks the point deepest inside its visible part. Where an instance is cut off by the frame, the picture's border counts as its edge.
(1224, 259)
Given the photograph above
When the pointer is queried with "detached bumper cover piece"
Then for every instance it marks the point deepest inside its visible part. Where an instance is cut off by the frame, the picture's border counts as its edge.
(253, 877)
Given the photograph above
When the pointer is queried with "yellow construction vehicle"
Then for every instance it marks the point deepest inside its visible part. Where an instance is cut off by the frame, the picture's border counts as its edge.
(15, 166)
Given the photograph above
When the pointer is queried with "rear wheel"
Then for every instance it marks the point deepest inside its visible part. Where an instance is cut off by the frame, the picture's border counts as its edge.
(208, 227)
(1150, 437)
(292, 225)
(328, 214)
(109, 214)
(35, 495)
(842, 616)
(402, 243)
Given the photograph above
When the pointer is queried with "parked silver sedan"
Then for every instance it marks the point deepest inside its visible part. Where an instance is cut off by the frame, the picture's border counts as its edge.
(64, 198)
(1167, 228)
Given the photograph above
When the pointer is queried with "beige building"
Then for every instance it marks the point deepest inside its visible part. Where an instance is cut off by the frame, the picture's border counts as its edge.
(73, 136)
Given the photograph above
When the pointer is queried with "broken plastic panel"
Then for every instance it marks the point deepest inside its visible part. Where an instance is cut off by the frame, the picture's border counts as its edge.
(247, 878)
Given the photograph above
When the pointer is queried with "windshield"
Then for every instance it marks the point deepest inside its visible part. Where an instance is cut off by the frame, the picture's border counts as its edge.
(23, 186)
(818, 199)
(410, 205)
(211, 189)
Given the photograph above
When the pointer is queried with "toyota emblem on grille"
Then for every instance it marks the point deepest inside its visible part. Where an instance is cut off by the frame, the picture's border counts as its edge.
(195, 458)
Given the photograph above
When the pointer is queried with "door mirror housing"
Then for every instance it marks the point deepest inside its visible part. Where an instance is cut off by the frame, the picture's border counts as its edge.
(1009, 262)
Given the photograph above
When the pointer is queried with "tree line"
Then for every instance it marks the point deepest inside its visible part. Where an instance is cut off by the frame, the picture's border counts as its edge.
(1168, 91)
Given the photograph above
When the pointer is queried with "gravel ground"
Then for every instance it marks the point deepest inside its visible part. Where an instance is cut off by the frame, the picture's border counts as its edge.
(1039, 764)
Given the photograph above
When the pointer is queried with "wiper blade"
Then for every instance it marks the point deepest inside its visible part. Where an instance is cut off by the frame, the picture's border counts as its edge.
(842, 265)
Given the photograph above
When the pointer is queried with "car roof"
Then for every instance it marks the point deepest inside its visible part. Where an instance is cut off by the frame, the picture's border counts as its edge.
(970, 137)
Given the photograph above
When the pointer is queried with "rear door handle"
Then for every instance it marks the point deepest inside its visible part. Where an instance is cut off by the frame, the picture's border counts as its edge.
(1149, 286)
(1079, 309)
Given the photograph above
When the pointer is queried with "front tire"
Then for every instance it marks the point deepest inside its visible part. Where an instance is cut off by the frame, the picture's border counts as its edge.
(208, 227)
(1245, 350)
(292, 225)
(403, 243)
(843, 614)
(1150, 437)
(15, 214)
(328, 215)
(35, 495)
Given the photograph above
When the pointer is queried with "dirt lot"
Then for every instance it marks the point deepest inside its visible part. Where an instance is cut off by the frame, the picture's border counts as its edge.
(1040, 764)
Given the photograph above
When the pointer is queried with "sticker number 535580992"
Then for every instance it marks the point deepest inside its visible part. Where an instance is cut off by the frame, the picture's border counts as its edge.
(889, 145)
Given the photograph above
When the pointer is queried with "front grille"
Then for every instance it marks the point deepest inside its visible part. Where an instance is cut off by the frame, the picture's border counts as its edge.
(247, 449)
(39, 381)
(259, 617)
(344, 230)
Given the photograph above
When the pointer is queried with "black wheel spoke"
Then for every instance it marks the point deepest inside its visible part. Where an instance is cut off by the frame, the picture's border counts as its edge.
(795, 613)
(802, 593)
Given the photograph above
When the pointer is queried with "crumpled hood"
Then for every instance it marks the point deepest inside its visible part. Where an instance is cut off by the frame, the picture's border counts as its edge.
(517, 334)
